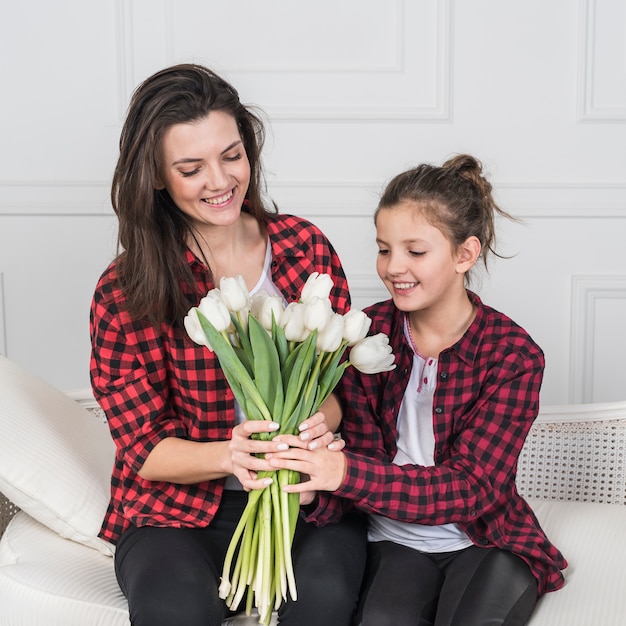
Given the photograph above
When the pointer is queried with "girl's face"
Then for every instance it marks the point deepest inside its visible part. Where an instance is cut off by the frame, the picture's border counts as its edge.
(416, 262)
(206, 169)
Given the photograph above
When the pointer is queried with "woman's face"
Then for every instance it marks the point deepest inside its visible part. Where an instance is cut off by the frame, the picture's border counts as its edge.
(206, 169)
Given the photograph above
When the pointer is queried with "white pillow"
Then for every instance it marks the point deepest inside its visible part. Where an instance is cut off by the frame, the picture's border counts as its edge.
(55, 457)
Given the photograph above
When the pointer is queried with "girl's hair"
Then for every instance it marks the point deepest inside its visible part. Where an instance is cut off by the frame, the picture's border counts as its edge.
(455, 198)
(151, 267)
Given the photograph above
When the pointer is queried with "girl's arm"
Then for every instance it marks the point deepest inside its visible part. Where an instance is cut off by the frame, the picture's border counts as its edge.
(473, 474)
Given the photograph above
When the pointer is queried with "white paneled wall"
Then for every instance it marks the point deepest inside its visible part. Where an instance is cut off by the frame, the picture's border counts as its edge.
(354, 92)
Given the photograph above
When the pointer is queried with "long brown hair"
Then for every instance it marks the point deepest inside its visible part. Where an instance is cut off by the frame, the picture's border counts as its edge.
(456, 197)
(151, 264)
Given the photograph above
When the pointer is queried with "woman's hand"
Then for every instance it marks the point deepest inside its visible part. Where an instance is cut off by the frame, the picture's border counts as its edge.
(247, 456)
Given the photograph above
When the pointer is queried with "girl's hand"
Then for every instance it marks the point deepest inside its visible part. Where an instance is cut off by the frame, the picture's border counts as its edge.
(325, 468)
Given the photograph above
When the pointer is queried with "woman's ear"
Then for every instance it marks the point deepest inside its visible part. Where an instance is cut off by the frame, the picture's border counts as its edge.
(158, 184)
(467, 254)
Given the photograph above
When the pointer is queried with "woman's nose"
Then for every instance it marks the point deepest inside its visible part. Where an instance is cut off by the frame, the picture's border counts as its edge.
(216, 178)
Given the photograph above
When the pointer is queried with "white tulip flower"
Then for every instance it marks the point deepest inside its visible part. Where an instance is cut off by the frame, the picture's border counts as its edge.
(330, 337)
(214, 309)
(293, 322)
(264, 307)
(355, 326)
(194, 329)
(235, 293)
(317, 312)
(373, 355)
(317, 284)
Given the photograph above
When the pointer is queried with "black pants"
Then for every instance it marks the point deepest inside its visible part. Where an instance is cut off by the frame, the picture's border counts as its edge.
(171, 575)
(471, 587)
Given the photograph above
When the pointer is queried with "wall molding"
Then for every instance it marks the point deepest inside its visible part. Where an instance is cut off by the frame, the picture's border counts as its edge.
(588, 80)
(124, 53)
(586, 291)
(522, 199)
(3, 327)
(366, 289)
(164, 15)
(26, 198)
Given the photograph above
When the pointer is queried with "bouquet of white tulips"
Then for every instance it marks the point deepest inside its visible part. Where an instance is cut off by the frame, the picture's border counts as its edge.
(281, 363)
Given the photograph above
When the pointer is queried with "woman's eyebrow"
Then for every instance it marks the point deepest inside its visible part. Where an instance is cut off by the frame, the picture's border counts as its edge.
(196, 159)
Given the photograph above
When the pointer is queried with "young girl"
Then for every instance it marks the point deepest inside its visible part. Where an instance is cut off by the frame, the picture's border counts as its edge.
(432, 446)
(187, 193)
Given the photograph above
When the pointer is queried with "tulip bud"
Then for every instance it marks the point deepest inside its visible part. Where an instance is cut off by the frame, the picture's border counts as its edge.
(373, 355)
(330, 337)
(194, 329)
(293, 322)
(264, 306)
(317, 312)
(355, 326)
(234, 293)
(317, 284)
(212, 307)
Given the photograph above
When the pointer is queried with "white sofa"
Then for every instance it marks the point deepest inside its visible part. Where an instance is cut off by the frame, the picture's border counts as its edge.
(55, 458)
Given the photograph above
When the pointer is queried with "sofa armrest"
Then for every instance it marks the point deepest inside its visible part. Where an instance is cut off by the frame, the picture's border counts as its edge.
(576, 453)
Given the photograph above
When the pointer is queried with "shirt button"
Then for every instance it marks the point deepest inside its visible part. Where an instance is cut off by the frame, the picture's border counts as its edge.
(438, 410)
(443, 375)
(472, 513)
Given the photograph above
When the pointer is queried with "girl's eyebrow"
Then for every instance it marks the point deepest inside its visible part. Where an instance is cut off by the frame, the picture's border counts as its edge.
(197, 159)
(404, 241)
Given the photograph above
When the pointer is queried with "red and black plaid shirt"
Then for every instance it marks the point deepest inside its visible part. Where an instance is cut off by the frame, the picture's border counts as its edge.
(154, 384)
(486, 398)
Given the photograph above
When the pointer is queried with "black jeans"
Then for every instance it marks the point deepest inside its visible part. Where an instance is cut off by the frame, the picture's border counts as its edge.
(171, 575)
(471, 587)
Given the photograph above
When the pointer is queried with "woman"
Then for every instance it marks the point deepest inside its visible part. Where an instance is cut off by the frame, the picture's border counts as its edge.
(187, 194)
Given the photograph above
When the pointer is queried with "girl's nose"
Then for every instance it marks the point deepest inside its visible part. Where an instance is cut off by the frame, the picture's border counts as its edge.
(395, 264)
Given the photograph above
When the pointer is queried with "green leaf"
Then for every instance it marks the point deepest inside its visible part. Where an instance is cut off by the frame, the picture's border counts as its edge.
(280, 341)
(243, 336)
(242, 355)
(299, 372)
(288, 364)
(266, 365)
(236, 374)
(330, 375)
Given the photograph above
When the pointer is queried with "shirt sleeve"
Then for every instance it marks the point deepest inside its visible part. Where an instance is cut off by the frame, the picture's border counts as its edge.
(127, 375)
(476, 452)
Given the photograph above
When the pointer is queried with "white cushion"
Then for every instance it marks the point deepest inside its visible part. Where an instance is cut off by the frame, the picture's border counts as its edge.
(592, 538)
(46, 580)
(55, 457)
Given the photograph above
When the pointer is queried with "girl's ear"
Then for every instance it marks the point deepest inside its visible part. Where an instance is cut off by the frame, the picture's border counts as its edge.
(467, 255)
